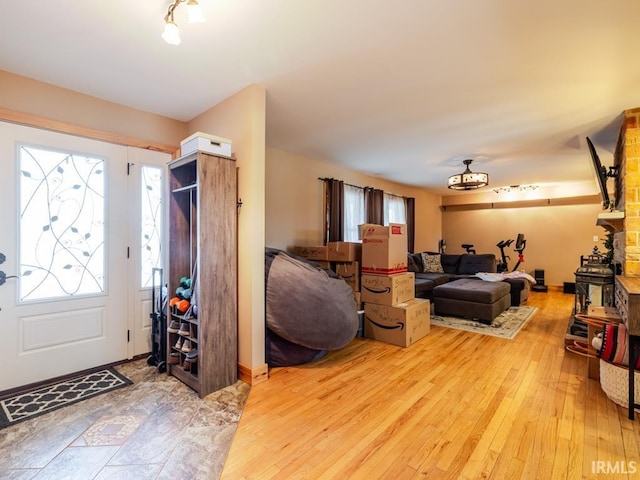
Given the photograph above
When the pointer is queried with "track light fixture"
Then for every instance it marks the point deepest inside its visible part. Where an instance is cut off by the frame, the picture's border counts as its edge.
(171, 34)
(515, 188)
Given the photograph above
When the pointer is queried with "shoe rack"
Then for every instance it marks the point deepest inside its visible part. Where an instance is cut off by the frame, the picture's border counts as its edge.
(202, 341)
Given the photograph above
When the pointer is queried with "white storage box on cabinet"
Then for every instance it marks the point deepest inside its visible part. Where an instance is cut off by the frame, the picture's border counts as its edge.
(206, 143)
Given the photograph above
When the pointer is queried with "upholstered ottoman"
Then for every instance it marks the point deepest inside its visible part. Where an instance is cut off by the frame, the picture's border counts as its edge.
(472, 298)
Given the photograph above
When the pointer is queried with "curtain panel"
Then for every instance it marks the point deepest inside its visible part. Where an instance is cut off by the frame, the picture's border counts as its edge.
(411, 223)
(374, 205)
(334, 204)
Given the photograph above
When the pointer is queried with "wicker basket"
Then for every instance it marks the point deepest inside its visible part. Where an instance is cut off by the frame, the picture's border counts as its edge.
(614, 380)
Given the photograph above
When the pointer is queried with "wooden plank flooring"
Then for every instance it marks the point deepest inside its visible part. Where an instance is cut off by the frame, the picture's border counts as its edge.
(454, 405)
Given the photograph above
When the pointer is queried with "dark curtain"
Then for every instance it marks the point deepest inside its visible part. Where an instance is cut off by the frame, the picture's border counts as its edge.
(411, 222)
(334, 203)
(374, 205)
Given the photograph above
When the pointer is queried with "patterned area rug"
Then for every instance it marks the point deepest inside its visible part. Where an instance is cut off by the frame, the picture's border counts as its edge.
(25, 405)
(506, 325)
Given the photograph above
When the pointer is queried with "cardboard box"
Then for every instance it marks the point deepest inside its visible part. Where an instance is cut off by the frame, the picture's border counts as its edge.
(344, 251)
(350, 273)
(403, 324)
(312, 253)
(388, 290)
(384, 249)
(363, 228)
(357, 297)
(206, 143)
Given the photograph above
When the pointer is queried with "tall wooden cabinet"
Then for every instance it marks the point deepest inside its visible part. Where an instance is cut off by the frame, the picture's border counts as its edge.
(202, 243)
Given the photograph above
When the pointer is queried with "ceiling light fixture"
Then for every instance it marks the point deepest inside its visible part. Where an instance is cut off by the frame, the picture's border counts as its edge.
(171, 34)
(515, 188)
(468, 180)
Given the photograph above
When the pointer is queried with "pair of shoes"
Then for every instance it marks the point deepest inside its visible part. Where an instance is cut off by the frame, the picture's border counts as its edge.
(178, 344)
(186, 346)
(192, 356)
(191, 361)
(174, 358)
(173, 327)
(184, 330)
(186, 366)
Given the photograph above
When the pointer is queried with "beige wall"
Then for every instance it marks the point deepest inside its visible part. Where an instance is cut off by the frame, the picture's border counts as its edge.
(241, 118)
(294, 201)
(29, 96)
(556, 235)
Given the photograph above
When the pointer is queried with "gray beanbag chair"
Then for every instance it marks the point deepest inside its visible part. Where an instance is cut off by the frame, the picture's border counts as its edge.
(309, 310)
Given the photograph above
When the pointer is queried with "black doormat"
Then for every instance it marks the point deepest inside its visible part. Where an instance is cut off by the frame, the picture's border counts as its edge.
(25, 405)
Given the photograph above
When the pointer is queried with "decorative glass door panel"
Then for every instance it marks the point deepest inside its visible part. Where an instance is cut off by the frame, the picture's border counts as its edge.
(62, 210)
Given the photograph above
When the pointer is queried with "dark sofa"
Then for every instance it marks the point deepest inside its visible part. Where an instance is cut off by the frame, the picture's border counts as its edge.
(454, 267)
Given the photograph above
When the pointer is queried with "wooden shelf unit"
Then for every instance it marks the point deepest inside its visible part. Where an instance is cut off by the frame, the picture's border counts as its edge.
(202, 238)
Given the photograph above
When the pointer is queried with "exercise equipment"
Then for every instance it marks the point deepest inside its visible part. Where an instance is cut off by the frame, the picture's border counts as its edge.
(469, 247)
(520, 244)
(503, 265)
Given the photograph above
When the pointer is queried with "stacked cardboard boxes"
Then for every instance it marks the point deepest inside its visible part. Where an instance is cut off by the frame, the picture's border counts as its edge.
(345, 259)
(392, 313)
(342, 257)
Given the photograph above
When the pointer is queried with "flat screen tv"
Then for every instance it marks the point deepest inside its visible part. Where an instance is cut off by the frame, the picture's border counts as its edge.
(601, 174)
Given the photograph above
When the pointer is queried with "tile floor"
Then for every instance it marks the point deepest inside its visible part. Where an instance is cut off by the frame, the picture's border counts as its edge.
(156, 428)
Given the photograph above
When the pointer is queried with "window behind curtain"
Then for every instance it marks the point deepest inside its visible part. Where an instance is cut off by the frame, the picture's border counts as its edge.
(353, 212)
(394, 209)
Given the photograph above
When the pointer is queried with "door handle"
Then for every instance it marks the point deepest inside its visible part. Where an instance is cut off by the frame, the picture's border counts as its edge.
(3, 276)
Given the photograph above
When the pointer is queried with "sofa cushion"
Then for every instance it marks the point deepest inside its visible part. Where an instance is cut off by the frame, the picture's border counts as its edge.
(423, 287)
(414, 262)
(434, 278)
(471, 264)
(450, 262)
(431, 263)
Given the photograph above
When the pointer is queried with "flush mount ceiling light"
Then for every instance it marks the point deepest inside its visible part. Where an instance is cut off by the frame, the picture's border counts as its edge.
(468, 180)
(171, 34)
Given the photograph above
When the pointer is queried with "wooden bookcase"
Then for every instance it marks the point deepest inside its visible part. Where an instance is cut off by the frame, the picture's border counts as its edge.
(202, 239)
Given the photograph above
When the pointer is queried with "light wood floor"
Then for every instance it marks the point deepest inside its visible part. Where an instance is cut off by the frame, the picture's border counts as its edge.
(453, 405)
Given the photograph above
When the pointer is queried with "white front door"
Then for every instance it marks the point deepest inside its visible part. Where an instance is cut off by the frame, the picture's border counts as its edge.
(65, 302)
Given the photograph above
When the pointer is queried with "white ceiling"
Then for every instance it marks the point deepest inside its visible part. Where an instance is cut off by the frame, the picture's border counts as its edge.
(402, 89)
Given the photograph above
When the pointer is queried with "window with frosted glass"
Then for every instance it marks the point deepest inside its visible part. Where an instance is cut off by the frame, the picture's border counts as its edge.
(151, 223)
(61, 226)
